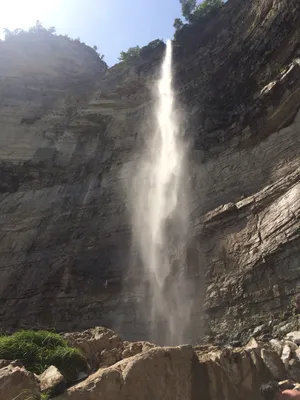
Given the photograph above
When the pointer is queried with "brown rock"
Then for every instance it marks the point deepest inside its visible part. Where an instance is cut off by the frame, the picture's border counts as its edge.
(52, 381)
(100, 346)
(131, 349)
(16, 381)
(160, 374)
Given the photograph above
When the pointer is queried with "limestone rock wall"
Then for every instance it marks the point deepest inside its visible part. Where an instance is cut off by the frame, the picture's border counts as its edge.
(69, 128)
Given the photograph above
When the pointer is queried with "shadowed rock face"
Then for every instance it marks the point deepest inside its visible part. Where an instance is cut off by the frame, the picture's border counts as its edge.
(68, 128)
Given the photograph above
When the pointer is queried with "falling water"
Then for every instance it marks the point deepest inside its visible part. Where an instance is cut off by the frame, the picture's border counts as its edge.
(160, 218)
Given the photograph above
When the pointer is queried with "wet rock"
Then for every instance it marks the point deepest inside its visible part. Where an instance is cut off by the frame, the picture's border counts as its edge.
(52, 381)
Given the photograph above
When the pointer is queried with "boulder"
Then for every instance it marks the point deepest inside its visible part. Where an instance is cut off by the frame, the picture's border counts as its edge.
(110, 357)
(52, 381)
(17, 382)
(274, 363)
(95, 344)
(131, 349)
(294, 337)
(102, 347)
(160, 374)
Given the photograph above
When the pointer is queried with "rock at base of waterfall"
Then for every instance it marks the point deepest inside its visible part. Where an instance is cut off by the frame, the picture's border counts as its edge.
(16, 382)
(96, 344)
(160, 373)
(274, 363)
(52, 381)
(131, 349)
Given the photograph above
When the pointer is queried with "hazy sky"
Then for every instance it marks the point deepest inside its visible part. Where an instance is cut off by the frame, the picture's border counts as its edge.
(112, 25)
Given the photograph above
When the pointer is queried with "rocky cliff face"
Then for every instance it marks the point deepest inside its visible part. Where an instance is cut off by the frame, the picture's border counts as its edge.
(69, 127)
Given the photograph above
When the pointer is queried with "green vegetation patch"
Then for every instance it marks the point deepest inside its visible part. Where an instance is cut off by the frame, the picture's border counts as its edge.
(37, 350)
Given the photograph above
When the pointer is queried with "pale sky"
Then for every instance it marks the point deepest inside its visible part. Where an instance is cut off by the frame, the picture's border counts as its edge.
(112, 25)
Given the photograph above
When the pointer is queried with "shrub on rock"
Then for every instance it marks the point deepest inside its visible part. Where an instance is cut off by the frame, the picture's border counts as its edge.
(38, 350)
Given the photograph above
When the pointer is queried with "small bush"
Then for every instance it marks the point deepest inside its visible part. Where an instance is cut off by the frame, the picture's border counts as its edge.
(205, 8)
(131, 54)
(37, 350)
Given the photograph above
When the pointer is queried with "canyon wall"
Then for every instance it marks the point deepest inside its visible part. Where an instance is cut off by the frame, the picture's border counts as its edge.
(69, 130)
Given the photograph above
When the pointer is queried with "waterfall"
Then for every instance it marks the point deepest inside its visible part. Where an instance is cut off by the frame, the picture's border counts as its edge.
(159, 218)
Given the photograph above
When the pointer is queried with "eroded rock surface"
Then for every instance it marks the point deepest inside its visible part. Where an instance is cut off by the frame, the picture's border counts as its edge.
(52, 381)
(102, 347)
(69, 130)
(16, 382)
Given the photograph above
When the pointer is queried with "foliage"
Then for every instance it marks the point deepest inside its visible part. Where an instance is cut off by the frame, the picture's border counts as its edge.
(205, 8)
(38, 31)
(177, 24)
(194, 13)
(130, 54)
(187, 8)
(136, 53)
(148, 50)
(191, 11)
(37, 350)
(31, 395)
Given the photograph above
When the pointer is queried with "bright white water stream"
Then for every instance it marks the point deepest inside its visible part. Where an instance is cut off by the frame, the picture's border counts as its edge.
(160, 217)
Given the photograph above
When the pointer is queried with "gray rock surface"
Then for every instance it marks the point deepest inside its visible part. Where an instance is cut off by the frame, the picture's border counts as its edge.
(70, 130)
(274, 364)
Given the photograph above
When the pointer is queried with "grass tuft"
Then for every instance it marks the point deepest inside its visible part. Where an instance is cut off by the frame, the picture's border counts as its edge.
(37, 350)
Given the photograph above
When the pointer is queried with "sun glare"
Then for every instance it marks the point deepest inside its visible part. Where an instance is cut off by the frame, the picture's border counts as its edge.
(24, 13)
